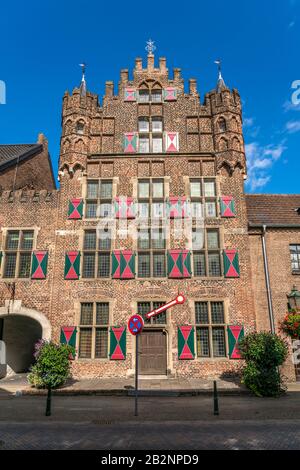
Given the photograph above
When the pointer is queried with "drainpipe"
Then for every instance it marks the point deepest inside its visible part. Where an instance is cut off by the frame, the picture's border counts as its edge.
(267, 276)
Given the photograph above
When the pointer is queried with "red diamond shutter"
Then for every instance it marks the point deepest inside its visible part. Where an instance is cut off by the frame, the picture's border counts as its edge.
(177, 207)
(231, 264)
(39, 264)
(179, 264)
(123, 264)
(171, 142)
(227, 206)
(75, 209)
(170, 94)
(235, 334)
(124, 208)
(130, 94)
(72, 265)
(186, 343)
(117, 343)
(130, 142)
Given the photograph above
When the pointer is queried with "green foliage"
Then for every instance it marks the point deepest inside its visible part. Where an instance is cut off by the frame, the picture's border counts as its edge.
(263, 353)
(291, 324)
(52, 367)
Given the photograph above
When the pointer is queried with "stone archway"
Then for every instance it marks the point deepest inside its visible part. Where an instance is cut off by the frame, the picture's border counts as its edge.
(21, 329)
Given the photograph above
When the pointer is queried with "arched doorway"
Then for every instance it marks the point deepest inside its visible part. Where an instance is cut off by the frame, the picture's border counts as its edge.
(20, 334)
(20, 329)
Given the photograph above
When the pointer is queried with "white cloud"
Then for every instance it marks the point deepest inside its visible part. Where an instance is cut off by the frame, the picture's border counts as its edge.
(291, 24)
(292, 126)
(289, 106)
(248, 122)
(260, 161)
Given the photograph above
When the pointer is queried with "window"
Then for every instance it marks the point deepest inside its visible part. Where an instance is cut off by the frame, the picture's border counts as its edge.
(151, 253)
(145, 307)
(96, 254)
(150, 134)
(295, 258)
(206, 252)
(80, 127)
(210, 329)
(222, 125)
(18, 253)
(93, 330)
(203, 198)
(99, 199)
(151, 199)
(146, 95)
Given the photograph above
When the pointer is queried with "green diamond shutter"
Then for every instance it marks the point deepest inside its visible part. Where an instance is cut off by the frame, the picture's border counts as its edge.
(117, 343)
(72, 265)
(179, 264)
(170, 94)
(68, 335)
(39, 264)
(129, 94)
(130, 142)
(75, 209)
(227, 206)
(231, 264)
(235, 334)
(186, 343)
(123, 264)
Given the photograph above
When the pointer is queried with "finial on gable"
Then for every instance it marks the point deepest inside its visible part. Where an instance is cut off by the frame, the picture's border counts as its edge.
(150, 47)
(220, 83)
(83, 82)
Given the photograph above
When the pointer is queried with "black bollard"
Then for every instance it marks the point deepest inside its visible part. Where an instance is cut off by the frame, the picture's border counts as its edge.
(216, 399)
(48, 407)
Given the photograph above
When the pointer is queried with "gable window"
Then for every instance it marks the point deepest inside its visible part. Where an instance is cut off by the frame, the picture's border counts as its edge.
(99, 199)
(18, 253)
(295, 258)
(150, 134)
(96, 254)
(210, 329)
(93, 330)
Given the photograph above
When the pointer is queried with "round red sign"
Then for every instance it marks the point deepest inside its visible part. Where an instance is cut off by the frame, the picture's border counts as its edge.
(135, 324)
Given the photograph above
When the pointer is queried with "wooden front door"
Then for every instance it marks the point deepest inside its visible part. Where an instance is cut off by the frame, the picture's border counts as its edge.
(153, 352)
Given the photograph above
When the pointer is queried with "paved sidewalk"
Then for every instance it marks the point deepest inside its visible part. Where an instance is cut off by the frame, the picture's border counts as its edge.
(17, 384)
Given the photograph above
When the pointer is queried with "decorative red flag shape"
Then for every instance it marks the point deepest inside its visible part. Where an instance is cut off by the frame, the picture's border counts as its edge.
(180, 299)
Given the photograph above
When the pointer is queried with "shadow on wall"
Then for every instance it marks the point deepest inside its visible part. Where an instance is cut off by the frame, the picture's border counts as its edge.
(20, 334)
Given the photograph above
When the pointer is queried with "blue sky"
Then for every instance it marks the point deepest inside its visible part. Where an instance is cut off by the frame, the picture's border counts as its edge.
(42, 43)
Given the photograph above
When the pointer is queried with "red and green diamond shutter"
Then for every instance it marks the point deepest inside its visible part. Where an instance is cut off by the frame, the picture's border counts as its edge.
(117, 343)
(174, 208)
(130, 94)
(175, 269)
(115, 264)
(186, 264)
(72, 265)
(235, 334)
(124, 208)
(130, 142)
(170, 94)
(127, 264)
(75, 209)
(227, 206)
(231, 264)
(39, 265)
(186, 342)
(68, 335)
(171, 142)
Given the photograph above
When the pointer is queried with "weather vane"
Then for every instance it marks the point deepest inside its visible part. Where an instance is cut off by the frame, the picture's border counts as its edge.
(150, 48)
(219, 64)
(83, 66)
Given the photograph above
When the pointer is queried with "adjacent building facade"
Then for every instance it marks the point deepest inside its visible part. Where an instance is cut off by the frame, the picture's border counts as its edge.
(151, 204)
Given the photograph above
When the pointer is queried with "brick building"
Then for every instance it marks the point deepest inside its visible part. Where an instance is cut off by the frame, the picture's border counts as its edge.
(151, 203)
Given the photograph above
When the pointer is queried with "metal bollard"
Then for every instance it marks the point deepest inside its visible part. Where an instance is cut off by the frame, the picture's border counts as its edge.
(48, 406)
(216, 399)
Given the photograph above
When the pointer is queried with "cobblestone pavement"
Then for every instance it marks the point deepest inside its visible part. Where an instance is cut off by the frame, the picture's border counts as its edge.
(163, 423)
(174, 435)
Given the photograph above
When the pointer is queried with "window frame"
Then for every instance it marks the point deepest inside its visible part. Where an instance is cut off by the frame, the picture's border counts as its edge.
(150, 134)
(97, 251)
(297, 254)
(203, 199)
(99, 200)
(151, 251)
(206, 251)
(210, 326)
(94, 327)
(18, 251)
(153, 322)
